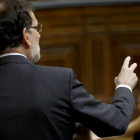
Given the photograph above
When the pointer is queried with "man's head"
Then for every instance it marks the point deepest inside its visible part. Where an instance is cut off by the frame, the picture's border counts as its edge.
(19, 29)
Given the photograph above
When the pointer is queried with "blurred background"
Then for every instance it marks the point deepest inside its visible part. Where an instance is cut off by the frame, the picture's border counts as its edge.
(92, 37)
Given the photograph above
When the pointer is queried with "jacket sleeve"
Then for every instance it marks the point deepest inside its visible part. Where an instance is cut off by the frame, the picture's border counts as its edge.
(103, 119)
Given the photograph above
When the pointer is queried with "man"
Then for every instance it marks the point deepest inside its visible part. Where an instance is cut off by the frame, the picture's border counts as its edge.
(43, 103)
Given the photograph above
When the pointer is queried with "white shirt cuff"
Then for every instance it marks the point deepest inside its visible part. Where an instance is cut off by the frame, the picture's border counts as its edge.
(126, 86)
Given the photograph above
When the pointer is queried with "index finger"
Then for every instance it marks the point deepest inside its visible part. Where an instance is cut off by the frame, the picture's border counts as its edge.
(126, 62)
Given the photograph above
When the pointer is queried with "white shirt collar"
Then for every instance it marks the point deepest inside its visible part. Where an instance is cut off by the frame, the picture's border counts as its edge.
(12, 54)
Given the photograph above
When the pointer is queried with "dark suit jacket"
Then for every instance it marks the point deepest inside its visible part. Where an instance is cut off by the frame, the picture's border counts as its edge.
(43, 103)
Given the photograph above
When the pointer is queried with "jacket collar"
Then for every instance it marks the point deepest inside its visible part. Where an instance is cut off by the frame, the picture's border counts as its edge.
(14, 59)
(7, 54)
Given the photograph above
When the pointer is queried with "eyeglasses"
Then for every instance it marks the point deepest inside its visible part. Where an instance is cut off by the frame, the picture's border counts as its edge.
(38, 28)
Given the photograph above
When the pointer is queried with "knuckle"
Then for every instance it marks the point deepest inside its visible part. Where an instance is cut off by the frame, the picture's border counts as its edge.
(130, 70)
(123, 69)
(136, 80)
(135, 74)
(135, 77)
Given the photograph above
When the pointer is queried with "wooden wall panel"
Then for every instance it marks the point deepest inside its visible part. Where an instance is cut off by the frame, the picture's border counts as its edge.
(57, 26)
(98, 68)
(96, 24)
(125, 23)
(91, 40)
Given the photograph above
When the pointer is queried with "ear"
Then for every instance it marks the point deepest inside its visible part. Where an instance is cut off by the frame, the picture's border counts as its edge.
(26, 37)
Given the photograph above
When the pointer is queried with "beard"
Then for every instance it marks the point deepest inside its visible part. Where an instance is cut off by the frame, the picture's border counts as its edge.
(35, 52)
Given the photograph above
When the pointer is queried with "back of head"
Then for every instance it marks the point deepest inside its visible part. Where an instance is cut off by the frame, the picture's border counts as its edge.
(14, 17)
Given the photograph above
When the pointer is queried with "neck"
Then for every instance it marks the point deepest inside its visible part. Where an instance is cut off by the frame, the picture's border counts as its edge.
(19, 49)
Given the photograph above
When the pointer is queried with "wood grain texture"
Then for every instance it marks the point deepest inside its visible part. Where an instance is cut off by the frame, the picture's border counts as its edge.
(93, 41)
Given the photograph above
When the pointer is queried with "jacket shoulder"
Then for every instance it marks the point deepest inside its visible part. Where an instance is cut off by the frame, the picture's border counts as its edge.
(53, 68)
(56, 71)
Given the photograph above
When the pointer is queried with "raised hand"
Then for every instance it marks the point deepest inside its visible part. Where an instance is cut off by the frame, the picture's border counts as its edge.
(127, 75)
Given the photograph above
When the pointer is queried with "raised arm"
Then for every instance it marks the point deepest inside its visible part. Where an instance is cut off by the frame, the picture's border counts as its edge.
(105, 119)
